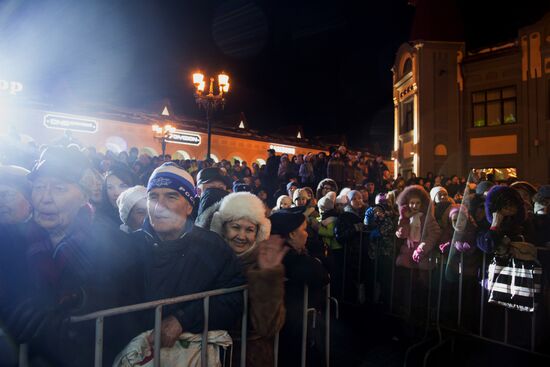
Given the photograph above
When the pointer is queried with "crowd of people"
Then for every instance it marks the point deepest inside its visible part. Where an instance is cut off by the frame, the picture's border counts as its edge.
(84, 231)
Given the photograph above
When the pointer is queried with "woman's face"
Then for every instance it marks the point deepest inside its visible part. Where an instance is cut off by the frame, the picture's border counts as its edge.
(357, 201)
(137, 215)
(441, 197)
(298, 238)
(240, 234)
(115, 186)
(414, 204)
(326, 189)
(302, 198)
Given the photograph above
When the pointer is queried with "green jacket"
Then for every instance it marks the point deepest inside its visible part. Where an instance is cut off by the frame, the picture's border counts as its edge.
(326, 233)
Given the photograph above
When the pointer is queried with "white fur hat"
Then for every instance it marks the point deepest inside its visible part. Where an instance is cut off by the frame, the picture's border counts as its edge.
(327, 202)
(242, 205)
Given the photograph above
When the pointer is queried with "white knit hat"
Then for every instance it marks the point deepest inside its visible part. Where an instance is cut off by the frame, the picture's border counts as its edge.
(242, 205)
(435, 191)
(327, 202)
(127, 199)
(343, 197)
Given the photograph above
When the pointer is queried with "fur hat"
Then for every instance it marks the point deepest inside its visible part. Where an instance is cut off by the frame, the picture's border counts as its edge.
(351, 194)
(414, 190)
(326, 181)
(498, 197)
(242, 205)
(127, 199)
(526, 187)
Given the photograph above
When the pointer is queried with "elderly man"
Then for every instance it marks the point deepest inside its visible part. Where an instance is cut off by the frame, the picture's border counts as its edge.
(181, 259)
(72, 264)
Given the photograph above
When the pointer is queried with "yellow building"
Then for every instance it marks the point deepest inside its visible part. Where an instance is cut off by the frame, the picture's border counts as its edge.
(489, 109)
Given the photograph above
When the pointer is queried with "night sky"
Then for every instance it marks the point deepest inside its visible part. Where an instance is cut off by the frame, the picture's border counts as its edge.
(321, 64)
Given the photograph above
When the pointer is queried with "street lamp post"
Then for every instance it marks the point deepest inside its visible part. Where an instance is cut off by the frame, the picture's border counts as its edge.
(162, 133)
(210, 101)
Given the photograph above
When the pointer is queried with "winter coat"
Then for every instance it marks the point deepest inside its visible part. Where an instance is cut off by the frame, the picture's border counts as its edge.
(306, 172)
(347, 228)
(90, 269)
(326, 231)
(335, 170)
(301, 269)
(198, 261)
(266, 309)
(430, 233)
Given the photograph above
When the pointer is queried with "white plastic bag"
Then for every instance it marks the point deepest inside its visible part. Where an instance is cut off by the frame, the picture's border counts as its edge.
(185, 353)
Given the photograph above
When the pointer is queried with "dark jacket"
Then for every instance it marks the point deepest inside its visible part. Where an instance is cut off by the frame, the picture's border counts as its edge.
(301, 269)
(210, 197)
(89, 270)
(198, 261)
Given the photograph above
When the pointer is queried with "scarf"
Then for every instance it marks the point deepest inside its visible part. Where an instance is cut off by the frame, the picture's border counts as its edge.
(416, 227)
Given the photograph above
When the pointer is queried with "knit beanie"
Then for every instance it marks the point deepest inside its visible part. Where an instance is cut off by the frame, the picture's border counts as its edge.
(343, 197)
(171, 176)
(285, 221)
(483, 187)
(242, 205)
(327, 202)
(127, 199)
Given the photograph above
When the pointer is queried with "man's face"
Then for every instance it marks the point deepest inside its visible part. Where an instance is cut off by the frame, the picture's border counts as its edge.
(168, 212)
(370, 187)
(56, 203)
(14, 208)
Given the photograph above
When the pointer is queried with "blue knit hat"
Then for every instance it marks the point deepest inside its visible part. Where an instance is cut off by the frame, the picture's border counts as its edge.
(171, 176)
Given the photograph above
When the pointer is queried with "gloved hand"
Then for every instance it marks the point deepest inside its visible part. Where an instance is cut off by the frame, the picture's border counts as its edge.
(418, 253)
(34, 315)
(444, 246)
(462, 246)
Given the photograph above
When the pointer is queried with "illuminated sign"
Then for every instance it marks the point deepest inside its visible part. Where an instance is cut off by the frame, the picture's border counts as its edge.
(10, 87)
(72, 123)
(183, 137)
(283, 149)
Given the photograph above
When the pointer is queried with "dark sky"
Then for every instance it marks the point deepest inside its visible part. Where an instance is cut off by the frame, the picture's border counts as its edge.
(321, 64)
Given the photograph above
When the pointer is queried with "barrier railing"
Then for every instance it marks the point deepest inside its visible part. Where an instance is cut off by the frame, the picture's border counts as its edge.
(100, 316)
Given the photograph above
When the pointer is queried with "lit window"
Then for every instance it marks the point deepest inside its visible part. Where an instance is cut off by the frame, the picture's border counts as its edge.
(494, 107)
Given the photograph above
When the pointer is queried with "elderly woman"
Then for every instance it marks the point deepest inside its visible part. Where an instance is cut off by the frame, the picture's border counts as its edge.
(241, 221)
(75, 265)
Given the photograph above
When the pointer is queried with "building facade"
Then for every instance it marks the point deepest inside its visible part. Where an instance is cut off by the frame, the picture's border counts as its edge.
(456, 111)
(120, 130)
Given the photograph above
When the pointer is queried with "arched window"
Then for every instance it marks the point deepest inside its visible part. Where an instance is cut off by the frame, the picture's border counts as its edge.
(407, 67)
(440, 150)
(181, 155)
(151, 152)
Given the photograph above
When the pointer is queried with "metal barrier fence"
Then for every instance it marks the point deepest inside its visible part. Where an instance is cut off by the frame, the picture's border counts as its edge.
(434, 323)
(99, 317)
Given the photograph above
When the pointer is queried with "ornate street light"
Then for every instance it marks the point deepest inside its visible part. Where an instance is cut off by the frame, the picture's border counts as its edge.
(208, 100)
(163, 133)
